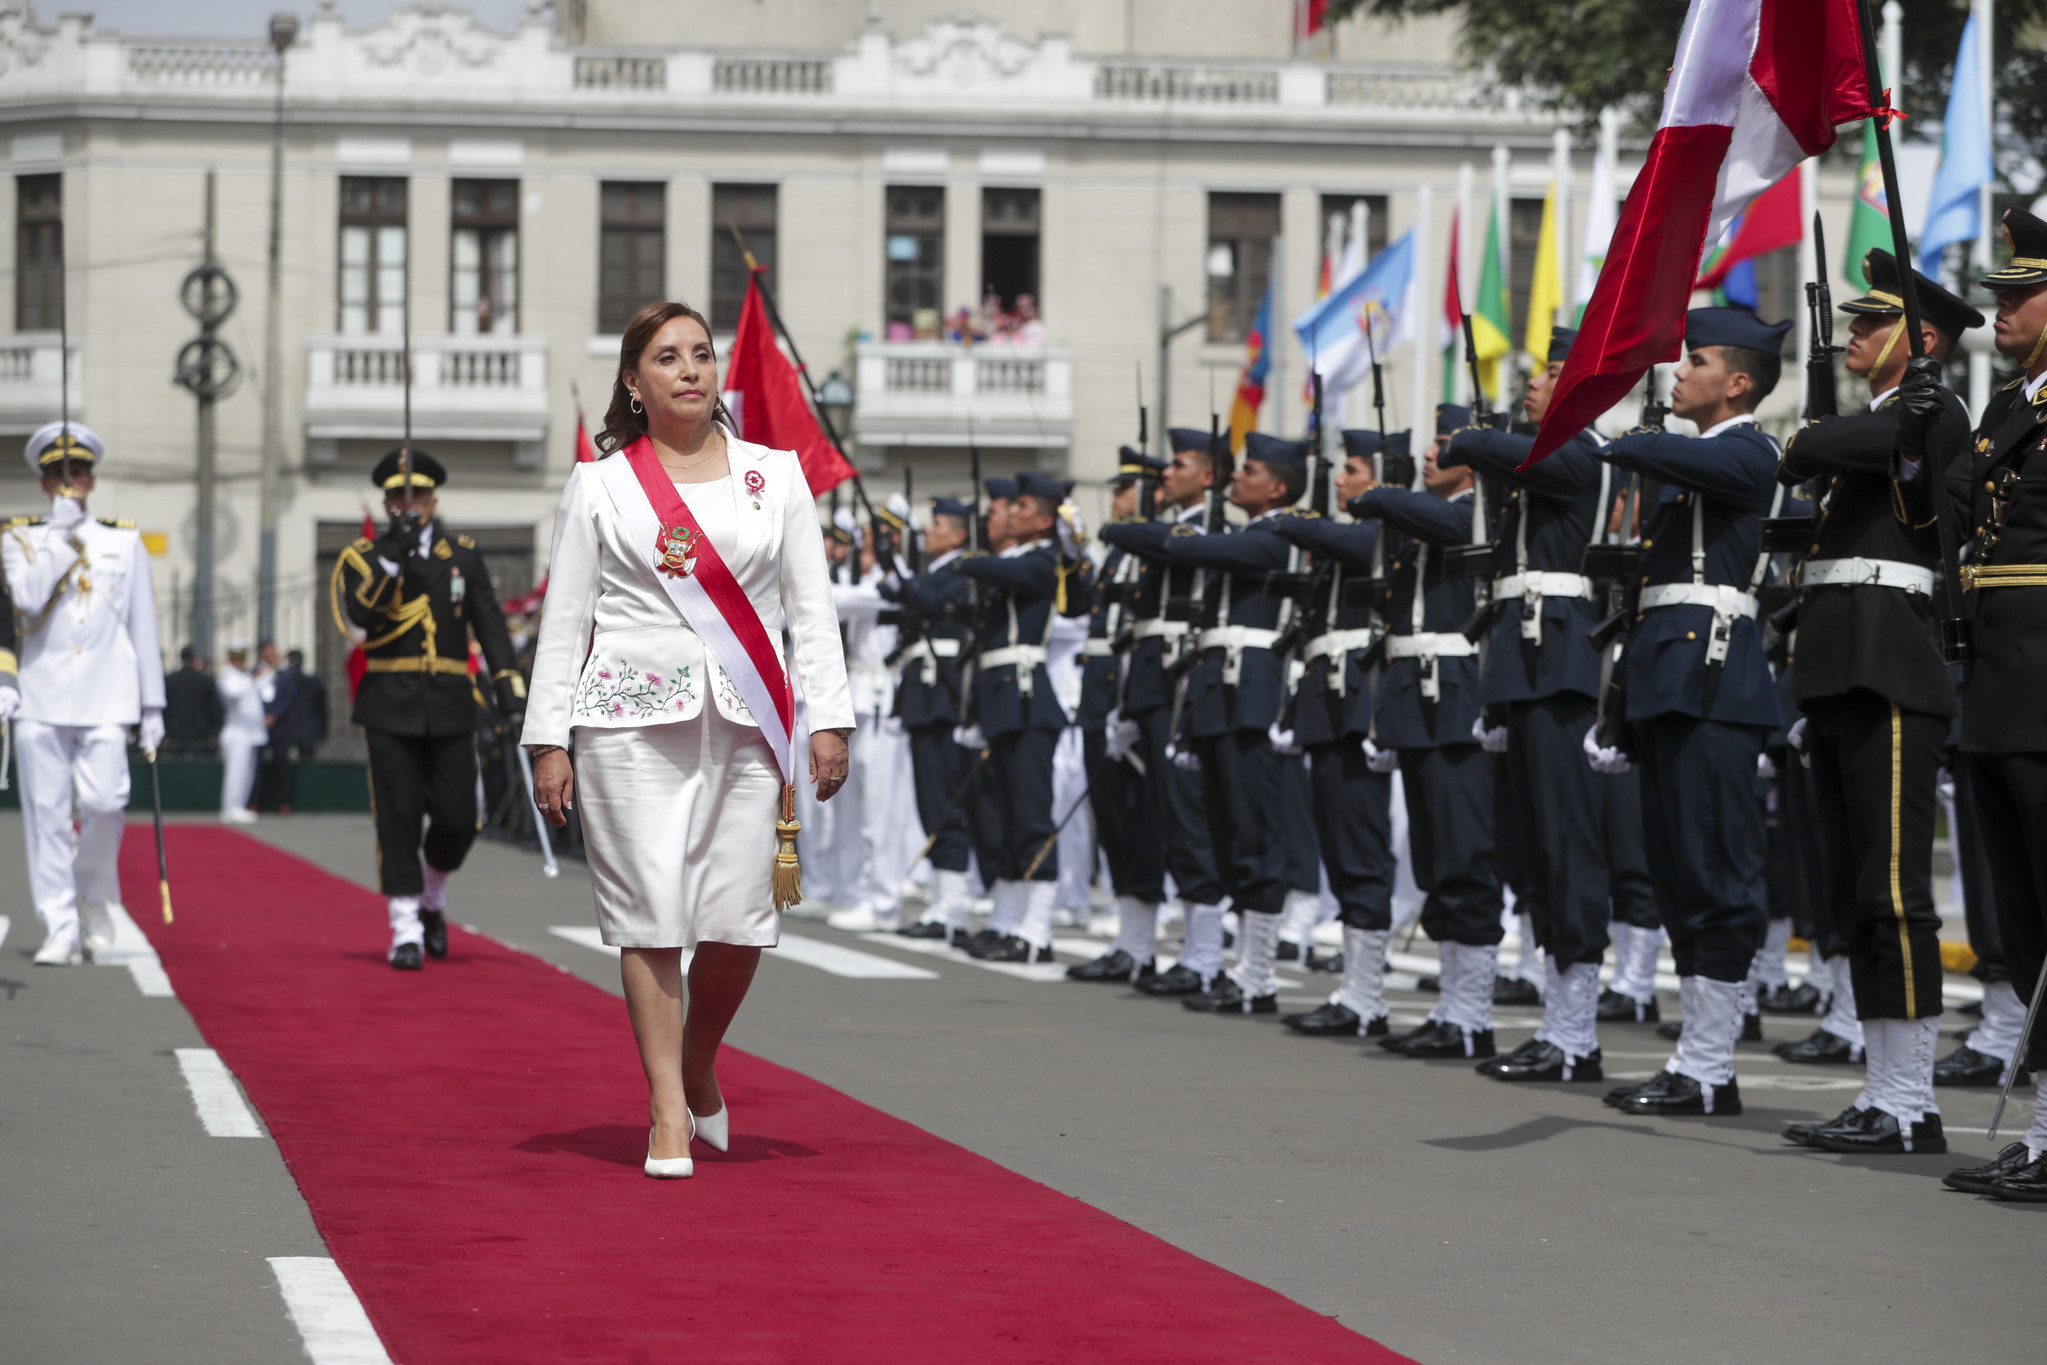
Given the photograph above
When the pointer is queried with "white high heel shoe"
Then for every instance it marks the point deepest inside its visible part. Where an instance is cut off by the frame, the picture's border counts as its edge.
(714, 1130)
(673, 1167)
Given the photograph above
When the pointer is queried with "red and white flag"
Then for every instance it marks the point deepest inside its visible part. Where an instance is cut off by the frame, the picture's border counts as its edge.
(1757, 86)
(764, 393)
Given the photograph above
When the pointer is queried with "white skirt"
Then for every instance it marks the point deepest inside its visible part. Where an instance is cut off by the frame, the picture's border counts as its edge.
(679, 829)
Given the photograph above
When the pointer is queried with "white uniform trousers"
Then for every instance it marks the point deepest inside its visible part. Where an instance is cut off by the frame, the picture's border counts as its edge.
(891, 836)
(237, 776)
(60, 764)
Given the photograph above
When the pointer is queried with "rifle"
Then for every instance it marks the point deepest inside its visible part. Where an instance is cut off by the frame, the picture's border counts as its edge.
(1820, 398)
(1147, 485)
(1474, 560)
(1614, 558)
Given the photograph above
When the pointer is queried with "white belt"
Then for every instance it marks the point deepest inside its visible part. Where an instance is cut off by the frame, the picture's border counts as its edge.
(1724, 598)
(1158, 627)
(926, 654)
(1871, 573)
(1093, 648)
(1025, 657)
(1338, 643)
(1543, 585)
(1429, 646)
(1234, 640)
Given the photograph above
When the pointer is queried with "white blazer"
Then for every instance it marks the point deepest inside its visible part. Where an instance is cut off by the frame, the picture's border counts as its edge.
(614, 651)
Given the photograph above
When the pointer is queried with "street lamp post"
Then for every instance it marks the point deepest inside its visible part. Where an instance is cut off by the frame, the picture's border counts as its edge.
(284, 29)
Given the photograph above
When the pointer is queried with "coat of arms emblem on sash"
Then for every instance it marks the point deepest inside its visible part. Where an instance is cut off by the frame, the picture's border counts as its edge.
(676, 551)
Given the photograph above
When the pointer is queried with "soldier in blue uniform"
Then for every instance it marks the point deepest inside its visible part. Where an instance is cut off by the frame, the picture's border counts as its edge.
(1233, 696)
(1700, 698)
(929, 695)
(1160, 649)
(1019, 719)
(1541, 680)
(1331, 719)
(1869, 677)
(1124, 824)
(1425, 711)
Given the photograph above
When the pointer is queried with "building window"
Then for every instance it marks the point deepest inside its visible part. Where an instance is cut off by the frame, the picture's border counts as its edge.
(372, 255)
(1779, 291)
(39, 253)
(632, 245)
(1524, 217)
(914, 260)
(1337, 215)
(1009, 250)
(483, 279)
(742, 220)
(1240, 232)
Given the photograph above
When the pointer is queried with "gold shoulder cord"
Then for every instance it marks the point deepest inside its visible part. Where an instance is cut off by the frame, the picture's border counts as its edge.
(404, 616)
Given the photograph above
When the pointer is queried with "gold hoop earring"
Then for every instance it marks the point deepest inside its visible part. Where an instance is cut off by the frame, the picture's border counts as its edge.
(634, 404)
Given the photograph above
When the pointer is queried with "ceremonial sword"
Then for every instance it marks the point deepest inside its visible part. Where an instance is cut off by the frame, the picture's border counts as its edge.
(547, 863)
(2018, 1055)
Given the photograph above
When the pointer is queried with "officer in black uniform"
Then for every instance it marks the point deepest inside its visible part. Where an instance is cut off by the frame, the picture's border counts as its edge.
(1700, 697)
(1426, 706)
(929, 692)
(2001, 487)
(1019, 718)
(1331, 717)
(1868, 675)
(1540, 682)
(1161, 649)
(1233, 695)
(1125, 827)
(415, 595)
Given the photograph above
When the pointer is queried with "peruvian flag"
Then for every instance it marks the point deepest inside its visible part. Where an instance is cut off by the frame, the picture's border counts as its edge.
(586, 450)
(1757, 86)
(765, 395)
(1770, 224)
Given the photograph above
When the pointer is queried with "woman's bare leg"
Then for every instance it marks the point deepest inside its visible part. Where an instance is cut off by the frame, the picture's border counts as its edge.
(718, 980)
(654, 1000)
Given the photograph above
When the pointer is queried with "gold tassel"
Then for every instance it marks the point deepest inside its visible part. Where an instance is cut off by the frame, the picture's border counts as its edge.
(788, 873)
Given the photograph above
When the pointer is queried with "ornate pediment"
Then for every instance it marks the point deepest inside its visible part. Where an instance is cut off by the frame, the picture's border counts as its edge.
(21, 42)
(965, 52)
(430, 38)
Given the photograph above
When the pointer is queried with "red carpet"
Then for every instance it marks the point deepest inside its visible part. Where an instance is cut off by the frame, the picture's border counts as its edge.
(470, 1146)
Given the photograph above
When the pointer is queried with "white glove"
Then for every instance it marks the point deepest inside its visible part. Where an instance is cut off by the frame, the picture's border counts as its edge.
(969, 737)
(151, 729)
(66, 513)
(10, 701)
(1184, 759)
(1122, 736)
(1380, 760)
(1282, 740)
(1944, 784)
(1493, 741)
(1612, 762)
(1765, 769)
(1795, 736)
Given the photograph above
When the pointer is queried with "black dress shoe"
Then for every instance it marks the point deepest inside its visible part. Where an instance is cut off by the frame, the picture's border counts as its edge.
(1528, 1051)
(1820, 1048)
(1441, 1039)
(1224, 996)
(1179, 981)
(1551, 1064)
(1615, 1008)
(1336, 1021)
(1288, 951)
(2026, 1185)
(1114, 965)
(1804, 998)
(406, 957)
(931, 929)
(978, 942)
(1669, 1094)
(1620, 1094)
(1751, 1028)
(1881, 1134)
(1670, 1030)
(1512, 990)
(1429, 985)
(1323, 962)
(1977, 1179)
(435, 923)
(1802, 1133)
(1966, 1066)
(1015, 949)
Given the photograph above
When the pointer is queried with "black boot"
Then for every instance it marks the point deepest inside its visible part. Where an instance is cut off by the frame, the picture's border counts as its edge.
(1317, 962)
(1978, 1179)
(1015, 949)
(1114, 965)
(1966, 1066)
(1551, 1064)
(1224, 996)
(1528, 1051)
(1881, 1134)
(1181, 980)
(978, 943)
(406, 957)
(435, 923)
(1820, 1048)
(931, 929)
(1804, 998)
(1670, 1030)
(1802, 1133)
(1287, 951)
(1615, 1008)
(1669, 1094)
(1438, 1039)
(1512, 990)
(1336, 1021)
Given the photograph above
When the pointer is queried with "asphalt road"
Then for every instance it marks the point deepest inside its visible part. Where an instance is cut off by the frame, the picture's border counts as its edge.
(1450, 1217)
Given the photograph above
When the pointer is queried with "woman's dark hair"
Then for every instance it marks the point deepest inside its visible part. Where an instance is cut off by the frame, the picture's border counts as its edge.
(623, 426)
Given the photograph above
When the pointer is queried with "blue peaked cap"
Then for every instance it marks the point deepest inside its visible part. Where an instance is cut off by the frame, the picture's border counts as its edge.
(1734, 327)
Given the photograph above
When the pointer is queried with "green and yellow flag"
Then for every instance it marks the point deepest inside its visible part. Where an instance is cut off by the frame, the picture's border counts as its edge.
(1492, 317)
(1869, 218)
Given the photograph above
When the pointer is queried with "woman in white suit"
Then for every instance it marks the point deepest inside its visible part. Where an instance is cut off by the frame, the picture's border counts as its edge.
(680, 558)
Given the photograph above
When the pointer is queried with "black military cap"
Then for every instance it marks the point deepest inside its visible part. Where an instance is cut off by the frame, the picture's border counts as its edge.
(1560, 340)
(1031, 484)
(1000, 489)
(1936, 305)
(1451, 417)
(2027, 238)
(1734, 327)
(950, 507)
(1275, 450)
(1187, 438)
(427, 472)
(1361, 442)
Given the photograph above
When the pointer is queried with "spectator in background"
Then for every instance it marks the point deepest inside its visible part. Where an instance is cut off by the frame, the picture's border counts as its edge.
(243, 733)
(192, 711)
(297, 717)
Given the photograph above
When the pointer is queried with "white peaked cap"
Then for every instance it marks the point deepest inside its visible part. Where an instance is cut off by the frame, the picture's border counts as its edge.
(85, 443)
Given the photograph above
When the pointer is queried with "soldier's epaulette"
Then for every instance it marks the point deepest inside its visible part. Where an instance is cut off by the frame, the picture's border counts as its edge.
(1131, 520)
(362, 543)
(973, 554)
(1186, 528)
(118, 523)
(1300, 512)
(2014, 384)
(26, 521)
(465, 542)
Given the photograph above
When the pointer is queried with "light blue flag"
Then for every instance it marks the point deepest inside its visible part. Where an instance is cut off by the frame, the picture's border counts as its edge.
(1965, 163)
(1333, 331)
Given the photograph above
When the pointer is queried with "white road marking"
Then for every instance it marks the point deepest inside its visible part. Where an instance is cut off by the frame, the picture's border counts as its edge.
(5, 922)
(848, 962)
(931, 947)
(327, 1313)
(132, 950)
(584, 934)
(214, 1094)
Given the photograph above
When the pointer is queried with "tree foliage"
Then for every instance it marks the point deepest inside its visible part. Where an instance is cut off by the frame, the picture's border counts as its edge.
(1577, 57)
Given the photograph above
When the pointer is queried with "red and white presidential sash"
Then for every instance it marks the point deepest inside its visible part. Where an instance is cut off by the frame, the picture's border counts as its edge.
(704, 590)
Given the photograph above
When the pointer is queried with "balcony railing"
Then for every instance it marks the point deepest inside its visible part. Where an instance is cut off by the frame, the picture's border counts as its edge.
(1187, 84)
(621, 73)
(771, 76)
(937, 393)
(210, 67)
(482, 388)
(32, 381)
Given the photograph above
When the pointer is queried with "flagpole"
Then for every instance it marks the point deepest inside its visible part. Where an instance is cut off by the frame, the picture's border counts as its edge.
(1908, 287)
(1460, 265)
(1502, 216)
(1979, 358)
(1560, 171)
(1808, 174)
(1425, 200)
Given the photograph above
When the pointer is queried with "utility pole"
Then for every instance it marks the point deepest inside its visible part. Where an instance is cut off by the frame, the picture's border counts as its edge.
(209, 370)
(284, 28)
(1168, 329)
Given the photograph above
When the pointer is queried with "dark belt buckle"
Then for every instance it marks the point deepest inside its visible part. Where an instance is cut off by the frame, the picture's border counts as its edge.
(1611, 561)
(1786, 535)
(1468, 561)
(1957, 640)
